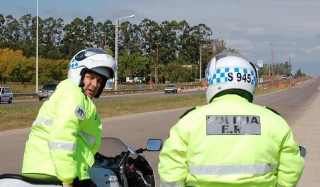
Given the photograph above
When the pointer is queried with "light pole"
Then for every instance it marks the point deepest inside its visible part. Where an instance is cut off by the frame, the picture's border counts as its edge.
(157, 62)
(116, 48)
(37, 61)
(200, 62)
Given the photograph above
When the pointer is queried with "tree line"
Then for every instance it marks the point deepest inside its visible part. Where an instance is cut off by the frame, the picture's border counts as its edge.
(174, 48)
(174, 43)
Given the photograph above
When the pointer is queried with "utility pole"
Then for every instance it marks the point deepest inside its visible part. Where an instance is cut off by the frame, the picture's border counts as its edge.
(272, 63)
(157, 62)
(287, 68)
(116, 56)
(105, 41)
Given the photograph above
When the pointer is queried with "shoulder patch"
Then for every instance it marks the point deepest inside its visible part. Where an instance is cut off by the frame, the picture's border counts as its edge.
(80, 113)
(189, 110)
(274, 111)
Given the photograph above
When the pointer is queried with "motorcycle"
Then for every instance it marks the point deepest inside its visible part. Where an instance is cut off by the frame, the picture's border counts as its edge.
(116, 165)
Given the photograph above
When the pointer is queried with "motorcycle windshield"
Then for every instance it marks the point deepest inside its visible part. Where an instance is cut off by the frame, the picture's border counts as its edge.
(111, 147)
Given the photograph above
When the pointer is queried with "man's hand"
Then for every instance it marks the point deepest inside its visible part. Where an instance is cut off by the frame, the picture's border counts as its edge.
(67, 185)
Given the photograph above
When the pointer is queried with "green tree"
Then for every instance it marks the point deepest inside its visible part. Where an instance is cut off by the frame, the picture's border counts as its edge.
(299, 74)
(109, 29)
(220, 46)
(51, 38)
(185, 50)
(104, 35)
(11, 33)
(134, 65)
(89, 32)
(168, 41)
(176, 44)
(27, 40)
(13, 66)
(149, 35)
(287, 69)
(178, 73)
(2, 26)
(74, 39)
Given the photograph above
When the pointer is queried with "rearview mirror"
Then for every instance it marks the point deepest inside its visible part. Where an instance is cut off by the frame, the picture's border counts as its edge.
(154, 144)
(303, 151)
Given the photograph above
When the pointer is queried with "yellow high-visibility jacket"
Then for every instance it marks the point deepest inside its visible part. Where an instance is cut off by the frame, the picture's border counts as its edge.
(65, 135)
(230, 142)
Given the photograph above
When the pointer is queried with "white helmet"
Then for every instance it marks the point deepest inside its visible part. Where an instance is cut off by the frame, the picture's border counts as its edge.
(93, 60)
(231, 73)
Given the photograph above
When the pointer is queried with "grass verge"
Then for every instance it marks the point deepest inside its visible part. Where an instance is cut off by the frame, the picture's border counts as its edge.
(22, 116)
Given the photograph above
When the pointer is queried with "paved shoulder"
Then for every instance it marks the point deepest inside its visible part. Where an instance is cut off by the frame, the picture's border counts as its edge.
(306, 131)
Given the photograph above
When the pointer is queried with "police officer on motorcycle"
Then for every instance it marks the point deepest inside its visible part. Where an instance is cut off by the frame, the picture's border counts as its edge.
(230, 141)
(67, 132)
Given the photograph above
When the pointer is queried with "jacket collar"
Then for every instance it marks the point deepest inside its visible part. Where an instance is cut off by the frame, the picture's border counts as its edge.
(229, 97)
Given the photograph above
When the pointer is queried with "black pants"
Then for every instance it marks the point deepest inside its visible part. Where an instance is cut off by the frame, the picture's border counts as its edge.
(48, 179)
(83, 183)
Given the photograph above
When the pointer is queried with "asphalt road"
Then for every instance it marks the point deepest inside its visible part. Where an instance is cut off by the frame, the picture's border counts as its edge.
(299, 105)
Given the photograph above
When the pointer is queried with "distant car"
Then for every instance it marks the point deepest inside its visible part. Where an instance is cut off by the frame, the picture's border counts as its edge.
(47, 90)
(6, 94)
(284, 77)
(171, 89)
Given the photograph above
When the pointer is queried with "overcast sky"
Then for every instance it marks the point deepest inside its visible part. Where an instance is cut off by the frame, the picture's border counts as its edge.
(291, 27)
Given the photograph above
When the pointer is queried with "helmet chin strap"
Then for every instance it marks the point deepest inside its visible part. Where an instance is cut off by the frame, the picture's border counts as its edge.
(81, 83)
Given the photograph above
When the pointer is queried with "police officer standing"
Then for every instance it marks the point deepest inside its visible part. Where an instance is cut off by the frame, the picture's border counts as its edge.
(230, 141)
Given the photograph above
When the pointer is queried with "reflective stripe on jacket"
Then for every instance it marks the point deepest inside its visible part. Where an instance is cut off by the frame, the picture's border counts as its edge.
(65, 135)
(230, 142)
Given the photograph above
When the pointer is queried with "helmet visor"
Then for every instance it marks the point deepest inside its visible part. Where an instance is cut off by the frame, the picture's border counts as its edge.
(103, 71)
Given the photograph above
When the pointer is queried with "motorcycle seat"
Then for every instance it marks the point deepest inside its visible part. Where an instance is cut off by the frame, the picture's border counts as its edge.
(27, 179)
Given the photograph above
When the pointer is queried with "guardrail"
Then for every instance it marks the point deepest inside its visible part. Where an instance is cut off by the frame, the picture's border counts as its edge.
(105, 91)
(24, 94)
(159, 87)
(127, 91)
